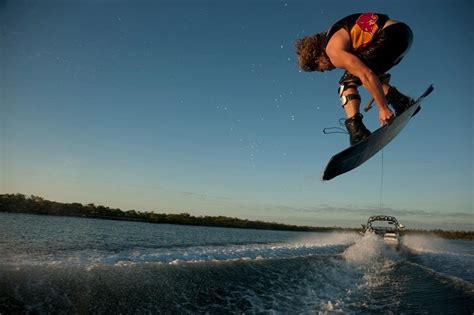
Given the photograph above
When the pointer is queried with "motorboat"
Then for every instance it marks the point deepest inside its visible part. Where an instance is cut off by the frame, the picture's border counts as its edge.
(386, 227)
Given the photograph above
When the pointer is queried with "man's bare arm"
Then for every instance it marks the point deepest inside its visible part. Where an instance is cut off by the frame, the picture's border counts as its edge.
(341, 58)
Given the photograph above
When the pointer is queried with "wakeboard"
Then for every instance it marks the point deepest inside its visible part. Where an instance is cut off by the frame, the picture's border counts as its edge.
(357, 154)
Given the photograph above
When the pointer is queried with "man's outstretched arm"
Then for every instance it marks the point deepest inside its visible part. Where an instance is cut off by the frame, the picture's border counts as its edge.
(341, 58)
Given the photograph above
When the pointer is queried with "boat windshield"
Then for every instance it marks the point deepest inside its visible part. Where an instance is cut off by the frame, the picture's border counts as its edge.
(383, 223)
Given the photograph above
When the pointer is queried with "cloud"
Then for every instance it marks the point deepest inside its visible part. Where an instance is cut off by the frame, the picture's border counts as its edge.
(370, 210)
(204, 196)
(332, 214)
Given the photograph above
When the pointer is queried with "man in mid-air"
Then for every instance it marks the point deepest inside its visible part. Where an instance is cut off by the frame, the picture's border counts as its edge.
(366, 46)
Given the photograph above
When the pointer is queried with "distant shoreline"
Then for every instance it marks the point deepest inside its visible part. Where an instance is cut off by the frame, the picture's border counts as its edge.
(18, 203)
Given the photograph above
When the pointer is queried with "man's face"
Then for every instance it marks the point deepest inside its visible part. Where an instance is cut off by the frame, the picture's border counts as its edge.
(323, 64)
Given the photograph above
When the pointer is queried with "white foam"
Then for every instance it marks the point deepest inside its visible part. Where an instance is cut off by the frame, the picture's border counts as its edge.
(328, 239)
(365, 250)
(372, 259)
(424, 243)
(330, 308)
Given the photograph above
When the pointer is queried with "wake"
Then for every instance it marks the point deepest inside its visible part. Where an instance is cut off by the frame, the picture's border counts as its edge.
(312, 245)
(442, 257)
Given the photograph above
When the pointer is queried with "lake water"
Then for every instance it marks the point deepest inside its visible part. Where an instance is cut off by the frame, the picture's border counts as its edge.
(78, 265)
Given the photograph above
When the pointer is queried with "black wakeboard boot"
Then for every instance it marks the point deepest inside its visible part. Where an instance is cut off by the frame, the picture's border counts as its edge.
(399, 102)
(356, 128)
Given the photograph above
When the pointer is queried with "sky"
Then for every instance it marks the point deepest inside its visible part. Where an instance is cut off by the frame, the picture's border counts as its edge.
(199, 107)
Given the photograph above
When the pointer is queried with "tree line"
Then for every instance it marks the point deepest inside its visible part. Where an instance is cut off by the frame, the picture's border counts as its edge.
(18, 203)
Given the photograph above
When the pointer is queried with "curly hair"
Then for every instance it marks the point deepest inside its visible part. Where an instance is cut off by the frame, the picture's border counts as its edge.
(309, 50)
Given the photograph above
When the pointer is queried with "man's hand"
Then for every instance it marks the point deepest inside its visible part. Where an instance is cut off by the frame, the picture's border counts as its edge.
(385, 116)
(340, 54)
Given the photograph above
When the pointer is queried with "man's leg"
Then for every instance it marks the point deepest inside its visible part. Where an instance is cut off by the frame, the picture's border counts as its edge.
(352, 105)
(348, 88)
(399, 101)
(350, 100)
(387, 50)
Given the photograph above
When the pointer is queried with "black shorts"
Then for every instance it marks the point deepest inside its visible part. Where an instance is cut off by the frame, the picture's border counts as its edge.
(387, 49)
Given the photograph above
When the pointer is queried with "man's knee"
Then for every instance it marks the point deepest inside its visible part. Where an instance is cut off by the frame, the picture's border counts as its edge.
(349, 94)
(348, 78)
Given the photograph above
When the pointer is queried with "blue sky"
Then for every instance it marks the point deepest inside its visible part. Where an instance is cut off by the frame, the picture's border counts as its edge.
(199, 107)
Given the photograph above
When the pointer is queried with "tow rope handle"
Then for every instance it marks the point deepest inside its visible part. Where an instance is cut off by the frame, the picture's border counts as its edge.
(369, 105)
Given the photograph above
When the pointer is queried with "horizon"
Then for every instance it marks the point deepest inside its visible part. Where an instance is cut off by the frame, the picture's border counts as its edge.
(199, 107)
(144, 211)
